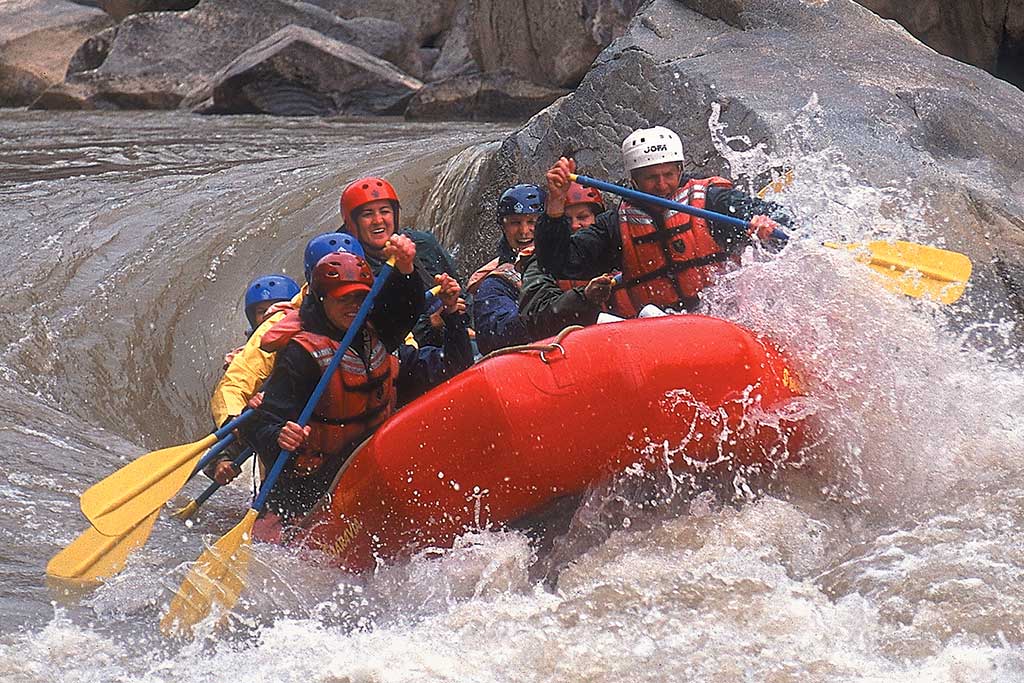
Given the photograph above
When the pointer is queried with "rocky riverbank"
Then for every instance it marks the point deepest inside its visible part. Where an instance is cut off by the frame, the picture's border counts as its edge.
(439, 58)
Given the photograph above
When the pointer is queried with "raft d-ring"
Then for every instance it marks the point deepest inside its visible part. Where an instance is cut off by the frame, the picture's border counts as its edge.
(551, 347)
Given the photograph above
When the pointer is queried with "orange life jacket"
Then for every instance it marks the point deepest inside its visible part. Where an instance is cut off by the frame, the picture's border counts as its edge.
(507, 271)
(667, 261)
(360, 396)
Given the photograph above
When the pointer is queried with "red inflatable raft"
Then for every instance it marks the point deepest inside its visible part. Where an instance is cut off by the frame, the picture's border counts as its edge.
(518, 430)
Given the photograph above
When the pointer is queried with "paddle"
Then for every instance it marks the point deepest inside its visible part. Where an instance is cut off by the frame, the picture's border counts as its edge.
(916, 270)
(193, 505)
(126, 497)
(93, 556)
(218, 576)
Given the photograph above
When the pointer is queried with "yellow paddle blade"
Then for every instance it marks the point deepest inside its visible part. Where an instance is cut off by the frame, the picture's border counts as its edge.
(217, 578)
(778, 185)
(187, 511)
(93, 556)
(119, 502)
(916, 270)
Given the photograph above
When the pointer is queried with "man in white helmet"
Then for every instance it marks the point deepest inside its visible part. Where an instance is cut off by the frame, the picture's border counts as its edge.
(666, 257)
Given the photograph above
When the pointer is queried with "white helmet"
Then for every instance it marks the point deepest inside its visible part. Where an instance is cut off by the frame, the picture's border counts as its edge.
(650, 146)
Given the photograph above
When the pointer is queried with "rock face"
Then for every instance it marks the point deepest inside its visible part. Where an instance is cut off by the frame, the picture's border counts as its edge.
(749, 83)
(37, 41)
(426, 20)
(494, 96)
(455, 58)
(159, 59)
(119, 9)
(986, 33)
(546, 41)
(299, 72)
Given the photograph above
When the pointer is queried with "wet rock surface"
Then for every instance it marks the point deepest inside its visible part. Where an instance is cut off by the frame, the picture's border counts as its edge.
(494, 96)
(38, 39)
(299, 72)
(167, 59)
(548, 41)
(986, 33)
(119, 9)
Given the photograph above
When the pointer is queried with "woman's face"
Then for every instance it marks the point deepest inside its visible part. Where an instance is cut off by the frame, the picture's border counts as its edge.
(375, 224)
(342, 311)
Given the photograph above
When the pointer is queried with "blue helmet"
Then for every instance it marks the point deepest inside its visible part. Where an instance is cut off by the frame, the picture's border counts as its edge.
(271, 288)
(329, 243)
(520, 199)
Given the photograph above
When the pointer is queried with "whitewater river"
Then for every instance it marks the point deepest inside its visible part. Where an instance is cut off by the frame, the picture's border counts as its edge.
(894, 551)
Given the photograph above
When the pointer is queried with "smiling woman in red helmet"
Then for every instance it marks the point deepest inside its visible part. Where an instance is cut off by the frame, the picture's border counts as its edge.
(361, 394)
(666, 258)
(370, 210)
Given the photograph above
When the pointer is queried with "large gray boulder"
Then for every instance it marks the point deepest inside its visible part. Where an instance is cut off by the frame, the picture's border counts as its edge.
(495, 96)
(875, 119)
(37, 41)
(167, 59)
(455, 58)
(426, 20)
(986, 33)
(299, 72)
(545, 41)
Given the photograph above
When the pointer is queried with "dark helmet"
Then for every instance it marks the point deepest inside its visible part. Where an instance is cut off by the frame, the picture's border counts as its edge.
(338, 274)
(271, 288)
(520, 199)
(328, 243)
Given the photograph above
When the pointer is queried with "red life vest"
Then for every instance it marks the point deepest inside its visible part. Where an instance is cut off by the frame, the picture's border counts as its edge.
(506, 271)
(359, 397)
(668, 264)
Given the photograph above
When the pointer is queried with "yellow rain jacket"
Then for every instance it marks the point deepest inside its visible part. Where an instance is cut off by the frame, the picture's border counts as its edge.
(247, 371)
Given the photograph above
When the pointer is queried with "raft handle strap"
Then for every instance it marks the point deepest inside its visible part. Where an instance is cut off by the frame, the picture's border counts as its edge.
(555, 345)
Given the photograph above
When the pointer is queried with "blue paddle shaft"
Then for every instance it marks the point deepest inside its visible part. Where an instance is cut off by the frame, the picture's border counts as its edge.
(226, 438)
(214, 451)
(645, 198)
(230, 426)
(350, 335)
(212, 488)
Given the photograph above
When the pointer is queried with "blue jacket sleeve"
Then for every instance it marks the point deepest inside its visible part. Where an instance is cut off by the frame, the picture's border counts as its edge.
(496, 315)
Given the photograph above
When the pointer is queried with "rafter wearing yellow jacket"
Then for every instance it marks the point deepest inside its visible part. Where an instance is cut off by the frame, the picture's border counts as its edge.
(249, 368)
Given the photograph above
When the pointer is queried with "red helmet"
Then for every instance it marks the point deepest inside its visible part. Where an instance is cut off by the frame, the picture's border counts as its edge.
(364, 191)
(577, 194)
(341, 273)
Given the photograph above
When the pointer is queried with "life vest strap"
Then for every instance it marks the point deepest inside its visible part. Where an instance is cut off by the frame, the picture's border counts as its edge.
(674, 267)
(366, 416)
(662, 234)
